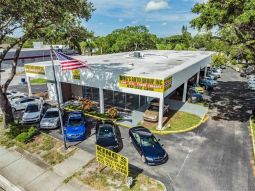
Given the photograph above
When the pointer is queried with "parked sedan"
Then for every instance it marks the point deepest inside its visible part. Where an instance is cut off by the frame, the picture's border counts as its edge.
(106, 135)
(151, 114)
(147, 146)
(75, 128)
(50, 119)
(32, 113)
(22, 103)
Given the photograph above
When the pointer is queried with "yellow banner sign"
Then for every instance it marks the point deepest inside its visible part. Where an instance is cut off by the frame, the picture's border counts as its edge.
(35, 69)
(149, 84)
(76, 74)
(111, 159)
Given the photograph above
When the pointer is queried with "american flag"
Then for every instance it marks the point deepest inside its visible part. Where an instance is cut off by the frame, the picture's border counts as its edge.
(69, 63)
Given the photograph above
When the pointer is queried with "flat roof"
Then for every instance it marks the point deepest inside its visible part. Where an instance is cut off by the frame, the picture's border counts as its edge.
(152, 63)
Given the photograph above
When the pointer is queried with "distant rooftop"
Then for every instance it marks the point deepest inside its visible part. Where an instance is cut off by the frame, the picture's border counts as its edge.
(148, 63)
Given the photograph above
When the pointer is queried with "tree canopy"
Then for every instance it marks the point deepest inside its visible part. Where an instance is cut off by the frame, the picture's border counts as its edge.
(234, 21)
(36, 19)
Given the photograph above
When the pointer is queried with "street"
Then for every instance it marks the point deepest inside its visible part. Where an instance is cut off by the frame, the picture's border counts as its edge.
(216, 156)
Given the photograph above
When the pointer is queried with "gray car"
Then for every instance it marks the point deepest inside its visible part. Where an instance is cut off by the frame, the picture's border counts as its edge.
(50, 119)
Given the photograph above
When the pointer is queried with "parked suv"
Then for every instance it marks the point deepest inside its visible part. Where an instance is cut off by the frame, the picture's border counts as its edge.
(208, 83)
(151, 114)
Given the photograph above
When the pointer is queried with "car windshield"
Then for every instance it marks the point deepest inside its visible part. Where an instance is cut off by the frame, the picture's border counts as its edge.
(105, 130)
(32, 108)
(74, 122)
(154, 108)
(148, 141)
(51, 114)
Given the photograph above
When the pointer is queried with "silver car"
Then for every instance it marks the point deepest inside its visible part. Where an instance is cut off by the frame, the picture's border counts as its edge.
(50, 119)
(32, 114)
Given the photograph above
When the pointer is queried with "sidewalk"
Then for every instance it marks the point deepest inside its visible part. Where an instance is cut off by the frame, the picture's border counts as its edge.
(25, 172)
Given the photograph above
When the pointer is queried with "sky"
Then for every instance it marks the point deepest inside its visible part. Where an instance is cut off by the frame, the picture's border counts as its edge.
(161, 17)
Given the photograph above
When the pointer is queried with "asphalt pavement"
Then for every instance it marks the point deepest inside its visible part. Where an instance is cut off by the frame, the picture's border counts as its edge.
(214, 157)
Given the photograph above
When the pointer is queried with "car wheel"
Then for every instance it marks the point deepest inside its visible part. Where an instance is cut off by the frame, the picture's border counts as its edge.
(130, 139)
(143, 159)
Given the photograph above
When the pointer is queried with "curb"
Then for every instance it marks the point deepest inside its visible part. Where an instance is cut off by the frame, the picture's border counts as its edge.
(7, 185)
(252, 138)
(203, 120)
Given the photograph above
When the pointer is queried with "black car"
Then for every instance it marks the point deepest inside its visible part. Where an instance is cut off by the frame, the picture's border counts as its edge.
(106, 135)
(148, 146)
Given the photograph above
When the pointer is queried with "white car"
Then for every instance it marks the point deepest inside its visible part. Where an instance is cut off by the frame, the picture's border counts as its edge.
(16, 98)
(50, 119)
(251, 86)
(22, 103)
(252, 81)
(13, 93)
(32, 114)
(216, 73)
(251, 77)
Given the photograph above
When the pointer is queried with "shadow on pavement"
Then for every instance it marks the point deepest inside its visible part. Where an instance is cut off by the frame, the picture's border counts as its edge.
(232, 100)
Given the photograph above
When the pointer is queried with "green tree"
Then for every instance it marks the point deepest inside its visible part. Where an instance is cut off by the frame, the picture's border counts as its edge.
(234, 20)
(34, 17)
(130, 38)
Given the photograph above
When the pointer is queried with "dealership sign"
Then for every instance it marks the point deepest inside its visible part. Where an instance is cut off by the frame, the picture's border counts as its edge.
(149, 84)
(111, 159)
(76, 74)
(35, 69)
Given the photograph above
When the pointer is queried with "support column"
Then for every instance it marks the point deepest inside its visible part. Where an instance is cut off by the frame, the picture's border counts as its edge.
(160, 114)
(60, 92)
(101, 100)
(29, 86)
(184, 95)
(205, 71)
(198, 76)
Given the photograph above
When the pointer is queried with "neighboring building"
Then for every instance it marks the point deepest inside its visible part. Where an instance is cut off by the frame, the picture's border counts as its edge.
(127, 80)
(30, 55)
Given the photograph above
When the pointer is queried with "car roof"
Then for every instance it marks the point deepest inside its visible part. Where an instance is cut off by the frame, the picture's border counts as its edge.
(75, 114)
(142, 131)
(52, 109)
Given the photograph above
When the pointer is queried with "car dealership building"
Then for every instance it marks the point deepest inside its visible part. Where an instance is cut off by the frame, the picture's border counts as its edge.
(125, 80)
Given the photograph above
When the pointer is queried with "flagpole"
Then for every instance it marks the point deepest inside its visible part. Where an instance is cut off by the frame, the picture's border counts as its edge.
(59, 108)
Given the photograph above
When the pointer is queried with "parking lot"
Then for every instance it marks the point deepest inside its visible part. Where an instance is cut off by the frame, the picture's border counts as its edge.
(216, 156)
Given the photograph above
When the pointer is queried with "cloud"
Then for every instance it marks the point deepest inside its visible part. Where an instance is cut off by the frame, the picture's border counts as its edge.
(156, 5)
(120, 20)
(164, 23)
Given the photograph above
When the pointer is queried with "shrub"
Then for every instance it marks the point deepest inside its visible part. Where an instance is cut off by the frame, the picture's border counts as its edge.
(112, 112)
(14, 130)
(87, 104)
(26, 136)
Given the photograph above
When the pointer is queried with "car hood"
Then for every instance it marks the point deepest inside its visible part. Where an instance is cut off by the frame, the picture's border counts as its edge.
(109, 141)
(150, 114)
(154, 151)
(31, 115)
(75, 130)
(49, 120)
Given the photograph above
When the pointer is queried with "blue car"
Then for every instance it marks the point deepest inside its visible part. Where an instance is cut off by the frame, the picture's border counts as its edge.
(208, 83)
(193, 94)
(75, 128)
(151, 151)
